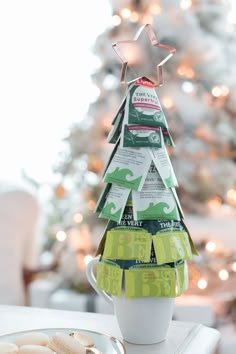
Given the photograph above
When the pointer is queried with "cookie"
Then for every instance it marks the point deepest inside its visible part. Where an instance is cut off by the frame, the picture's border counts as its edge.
(36, 338)
(34, 349)
(63, 343)
(8, 348)
(85, 340)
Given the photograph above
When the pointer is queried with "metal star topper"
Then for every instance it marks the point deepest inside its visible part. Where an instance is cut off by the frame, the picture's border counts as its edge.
(155, 43)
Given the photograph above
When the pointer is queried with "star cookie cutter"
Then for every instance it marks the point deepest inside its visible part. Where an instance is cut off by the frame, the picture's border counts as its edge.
(154, 42)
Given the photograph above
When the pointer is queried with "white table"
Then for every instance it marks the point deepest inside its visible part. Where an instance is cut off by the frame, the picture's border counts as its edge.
(183, 338)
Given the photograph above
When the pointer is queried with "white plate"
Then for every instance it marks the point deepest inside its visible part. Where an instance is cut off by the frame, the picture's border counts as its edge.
(104, 342)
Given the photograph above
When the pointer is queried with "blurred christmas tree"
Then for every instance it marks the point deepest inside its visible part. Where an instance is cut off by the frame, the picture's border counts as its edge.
(198, 95)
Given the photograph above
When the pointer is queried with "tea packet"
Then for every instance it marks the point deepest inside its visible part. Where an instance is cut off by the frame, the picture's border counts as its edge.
(163, 164)
(123, 244)
(112, 202)
(154, 200)
(114, 134)
(143, 106)
(149, 280)
(171, 246)
(167, 137)
(128, 168)
(141, 136)
(109, 277)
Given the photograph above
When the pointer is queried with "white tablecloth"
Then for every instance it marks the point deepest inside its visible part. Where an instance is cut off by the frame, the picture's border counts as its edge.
(183, 338)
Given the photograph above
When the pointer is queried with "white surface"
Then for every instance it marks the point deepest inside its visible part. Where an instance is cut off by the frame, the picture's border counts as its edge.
(227, 342)
(183, 337)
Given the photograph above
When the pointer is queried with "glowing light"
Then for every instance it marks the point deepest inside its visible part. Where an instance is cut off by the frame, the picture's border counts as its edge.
(134, 17)
(224, 90)
(110, 82)
(214, 204)
(234, 267)
(91, 204)
(187, 87)
(223, 274)
(78, 218)
(167, 102)
(147, 19)
(186, 70)
(216, 91)
(61, 236)
(231, 195)
(116, 20)
(125, 13)
(155, 9)
(185, 4)
(210, 246)
(202, 284)
(87, 258)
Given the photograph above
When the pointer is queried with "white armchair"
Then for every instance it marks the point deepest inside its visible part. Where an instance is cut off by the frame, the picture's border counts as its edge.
(19, 213)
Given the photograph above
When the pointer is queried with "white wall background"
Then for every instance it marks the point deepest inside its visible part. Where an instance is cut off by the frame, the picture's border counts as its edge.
(45, 85)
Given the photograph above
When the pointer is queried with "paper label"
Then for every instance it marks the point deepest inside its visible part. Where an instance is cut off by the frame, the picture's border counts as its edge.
(116, 199)
(149, 282)
(128, 168)
(154, 201)
(171, 246)
(109, 278)
(128, 245)
(164, 167)
(143, 106)
(141, 136)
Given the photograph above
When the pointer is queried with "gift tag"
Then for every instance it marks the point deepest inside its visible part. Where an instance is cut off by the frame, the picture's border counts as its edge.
(143, 106)
(154, 201)
(128, 168)
(128, 245)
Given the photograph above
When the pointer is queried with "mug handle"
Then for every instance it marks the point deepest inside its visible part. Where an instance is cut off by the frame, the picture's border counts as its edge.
(92, 280)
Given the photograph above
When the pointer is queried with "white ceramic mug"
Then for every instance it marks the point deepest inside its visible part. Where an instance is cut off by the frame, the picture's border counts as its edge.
(141, 321)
